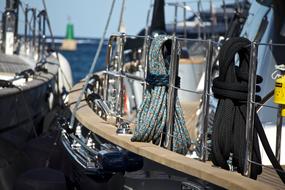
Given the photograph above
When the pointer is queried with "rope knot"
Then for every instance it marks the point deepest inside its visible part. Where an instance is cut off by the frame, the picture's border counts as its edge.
(161, 80)
(237, 90)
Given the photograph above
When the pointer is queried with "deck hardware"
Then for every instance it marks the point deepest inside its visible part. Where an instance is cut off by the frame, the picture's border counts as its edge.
(78, 131)
(191, 186)
(90, 143)
(63, 123)
(230, 162)
(123, 129)
(103, 107)
(120, 69)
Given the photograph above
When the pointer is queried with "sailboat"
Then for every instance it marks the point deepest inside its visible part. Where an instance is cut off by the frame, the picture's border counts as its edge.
(31, 86)
(28, 75)
(150, 146)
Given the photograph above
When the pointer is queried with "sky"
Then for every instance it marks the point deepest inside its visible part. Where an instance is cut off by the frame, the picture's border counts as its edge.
(89, 16)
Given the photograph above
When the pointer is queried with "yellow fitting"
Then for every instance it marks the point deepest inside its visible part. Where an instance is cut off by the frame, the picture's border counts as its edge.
(279, 91)
(283, 111)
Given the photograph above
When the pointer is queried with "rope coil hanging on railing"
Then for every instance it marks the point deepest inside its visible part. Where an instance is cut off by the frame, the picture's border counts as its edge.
(152, 115)
(231, 88)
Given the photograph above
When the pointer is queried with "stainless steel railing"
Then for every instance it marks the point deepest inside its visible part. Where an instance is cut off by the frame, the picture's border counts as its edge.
(115, 69)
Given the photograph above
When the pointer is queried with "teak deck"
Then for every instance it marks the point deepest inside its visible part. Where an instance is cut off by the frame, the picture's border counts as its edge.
(204, 171)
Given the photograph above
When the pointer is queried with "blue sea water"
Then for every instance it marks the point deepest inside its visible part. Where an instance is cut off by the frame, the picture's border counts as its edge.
(81, 59)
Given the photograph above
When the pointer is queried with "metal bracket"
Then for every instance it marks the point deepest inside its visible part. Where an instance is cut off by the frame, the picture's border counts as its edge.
(123, 129)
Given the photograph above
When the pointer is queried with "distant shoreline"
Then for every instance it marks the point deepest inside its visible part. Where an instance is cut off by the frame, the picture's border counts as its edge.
(80, 40)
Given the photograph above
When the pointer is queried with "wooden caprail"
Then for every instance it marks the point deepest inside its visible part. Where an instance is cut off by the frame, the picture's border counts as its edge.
(204, 171)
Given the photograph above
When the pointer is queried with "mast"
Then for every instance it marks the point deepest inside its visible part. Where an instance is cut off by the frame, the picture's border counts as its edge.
(13, 5)
(184, 22)
(199, 25)
(147, 19)
(122, 27)
(158, 20)
(157, 25)
(225, 15)
(10, 25)
(213, 18)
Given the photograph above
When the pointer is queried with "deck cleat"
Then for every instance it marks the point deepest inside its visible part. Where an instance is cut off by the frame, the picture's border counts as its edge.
(124, 129)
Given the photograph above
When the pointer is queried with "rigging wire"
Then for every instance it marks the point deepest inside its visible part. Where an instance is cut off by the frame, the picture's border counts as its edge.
(92, 66)
(48, 22)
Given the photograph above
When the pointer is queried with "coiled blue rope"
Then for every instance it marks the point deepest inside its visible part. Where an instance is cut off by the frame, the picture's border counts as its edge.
(152, 116)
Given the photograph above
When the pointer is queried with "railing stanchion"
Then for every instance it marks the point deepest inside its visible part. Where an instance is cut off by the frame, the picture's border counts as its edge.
(120, 69)
(206, 100)
(172, 94)
(145, 59)
(278, 133)
(39, 35)
(26, 27)
(34, 11)
(250, 110)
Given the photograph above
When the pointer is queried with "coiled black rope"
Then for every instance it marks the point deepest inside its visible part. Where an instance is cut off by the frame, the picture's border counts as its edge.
(231, 88)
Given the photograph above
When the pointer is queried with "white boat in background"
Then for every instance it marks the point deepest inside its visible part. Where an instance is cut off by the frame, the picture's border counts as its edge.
(31, 76)
(33, 80)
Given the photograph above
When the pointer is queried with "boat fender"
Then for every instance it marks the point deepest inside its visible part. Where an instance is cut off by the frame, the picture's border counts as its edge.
(64, 73)
(119, 161)
(133, 162)
(111, 161)
(50, 100)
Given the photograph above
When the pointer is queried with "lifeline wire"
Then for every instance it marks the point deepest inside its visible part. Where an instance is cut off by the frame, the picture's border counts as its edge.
(92, 66)
(48, 22)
